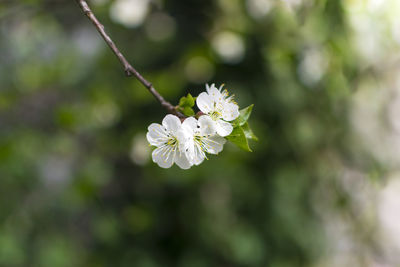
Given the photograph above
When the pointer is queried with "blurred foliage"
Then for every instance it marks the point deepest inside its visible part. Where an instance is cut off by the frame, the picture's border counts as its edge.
(77, 187)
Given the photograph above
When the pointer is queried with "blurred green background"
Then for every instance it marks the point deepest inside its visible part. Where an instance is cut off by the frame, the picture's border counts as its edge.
(77, 184)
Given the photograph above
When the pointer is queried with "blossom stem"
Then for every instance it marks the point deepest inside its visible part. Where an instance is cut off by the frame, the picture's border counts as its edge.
(129, 70)
(199, 114)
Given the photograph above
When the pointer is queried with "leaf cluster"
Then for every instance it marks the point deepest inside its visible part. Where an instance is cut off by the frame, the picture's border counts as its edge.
(186, 104)
(242, 132)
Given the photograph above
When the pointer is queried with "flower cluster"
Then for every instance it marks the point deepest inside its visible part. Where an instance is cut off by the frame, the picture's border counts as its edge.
(187, 143)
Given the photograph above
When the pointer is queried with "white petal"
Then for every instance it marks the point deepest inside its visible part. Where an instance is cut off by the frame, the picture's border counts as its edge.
(198, 156)
(190, 149)
(214, 144)
(172, 123)
(223, 128)
(230, 111)
(184, 137)
(206, 125)
(208, 87)
(204, 102)
(163, 156)
(182, 161)
(189, 124)
(215, 94)
(156, 134)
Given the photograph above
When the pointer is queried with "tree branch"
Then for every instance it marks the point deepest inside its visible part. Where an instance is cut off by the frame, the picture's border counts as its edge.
(129, 70)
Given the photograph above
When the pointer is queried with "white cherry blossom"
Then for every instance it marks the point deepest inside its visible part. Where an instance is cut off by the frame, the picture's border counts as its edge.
(201, 138)
(220, 107)
(169, 138)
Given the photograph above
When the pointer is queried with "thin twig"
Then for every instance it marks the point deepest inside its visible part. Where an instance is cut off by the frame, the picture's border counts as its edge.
(129, 70)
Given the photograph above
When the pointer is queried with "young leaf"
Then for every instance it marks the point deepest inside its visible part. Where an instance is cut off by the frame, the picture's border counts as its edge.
(243, 116)
(186, 101)
(248, 132)
(188, 111)
(238, 137)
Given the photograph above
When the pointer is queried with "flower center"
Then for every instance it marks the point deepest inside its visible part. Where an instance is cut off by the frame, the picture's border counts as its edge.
(198, 139)
(215, 115)
(172, 141)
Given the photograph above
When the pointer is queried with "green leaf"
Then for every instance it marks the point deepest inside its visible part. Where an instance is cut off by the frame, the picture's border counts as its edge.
(248, 132)
(186, 101)
(238, 137)
(187, 111)
(243, 116)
